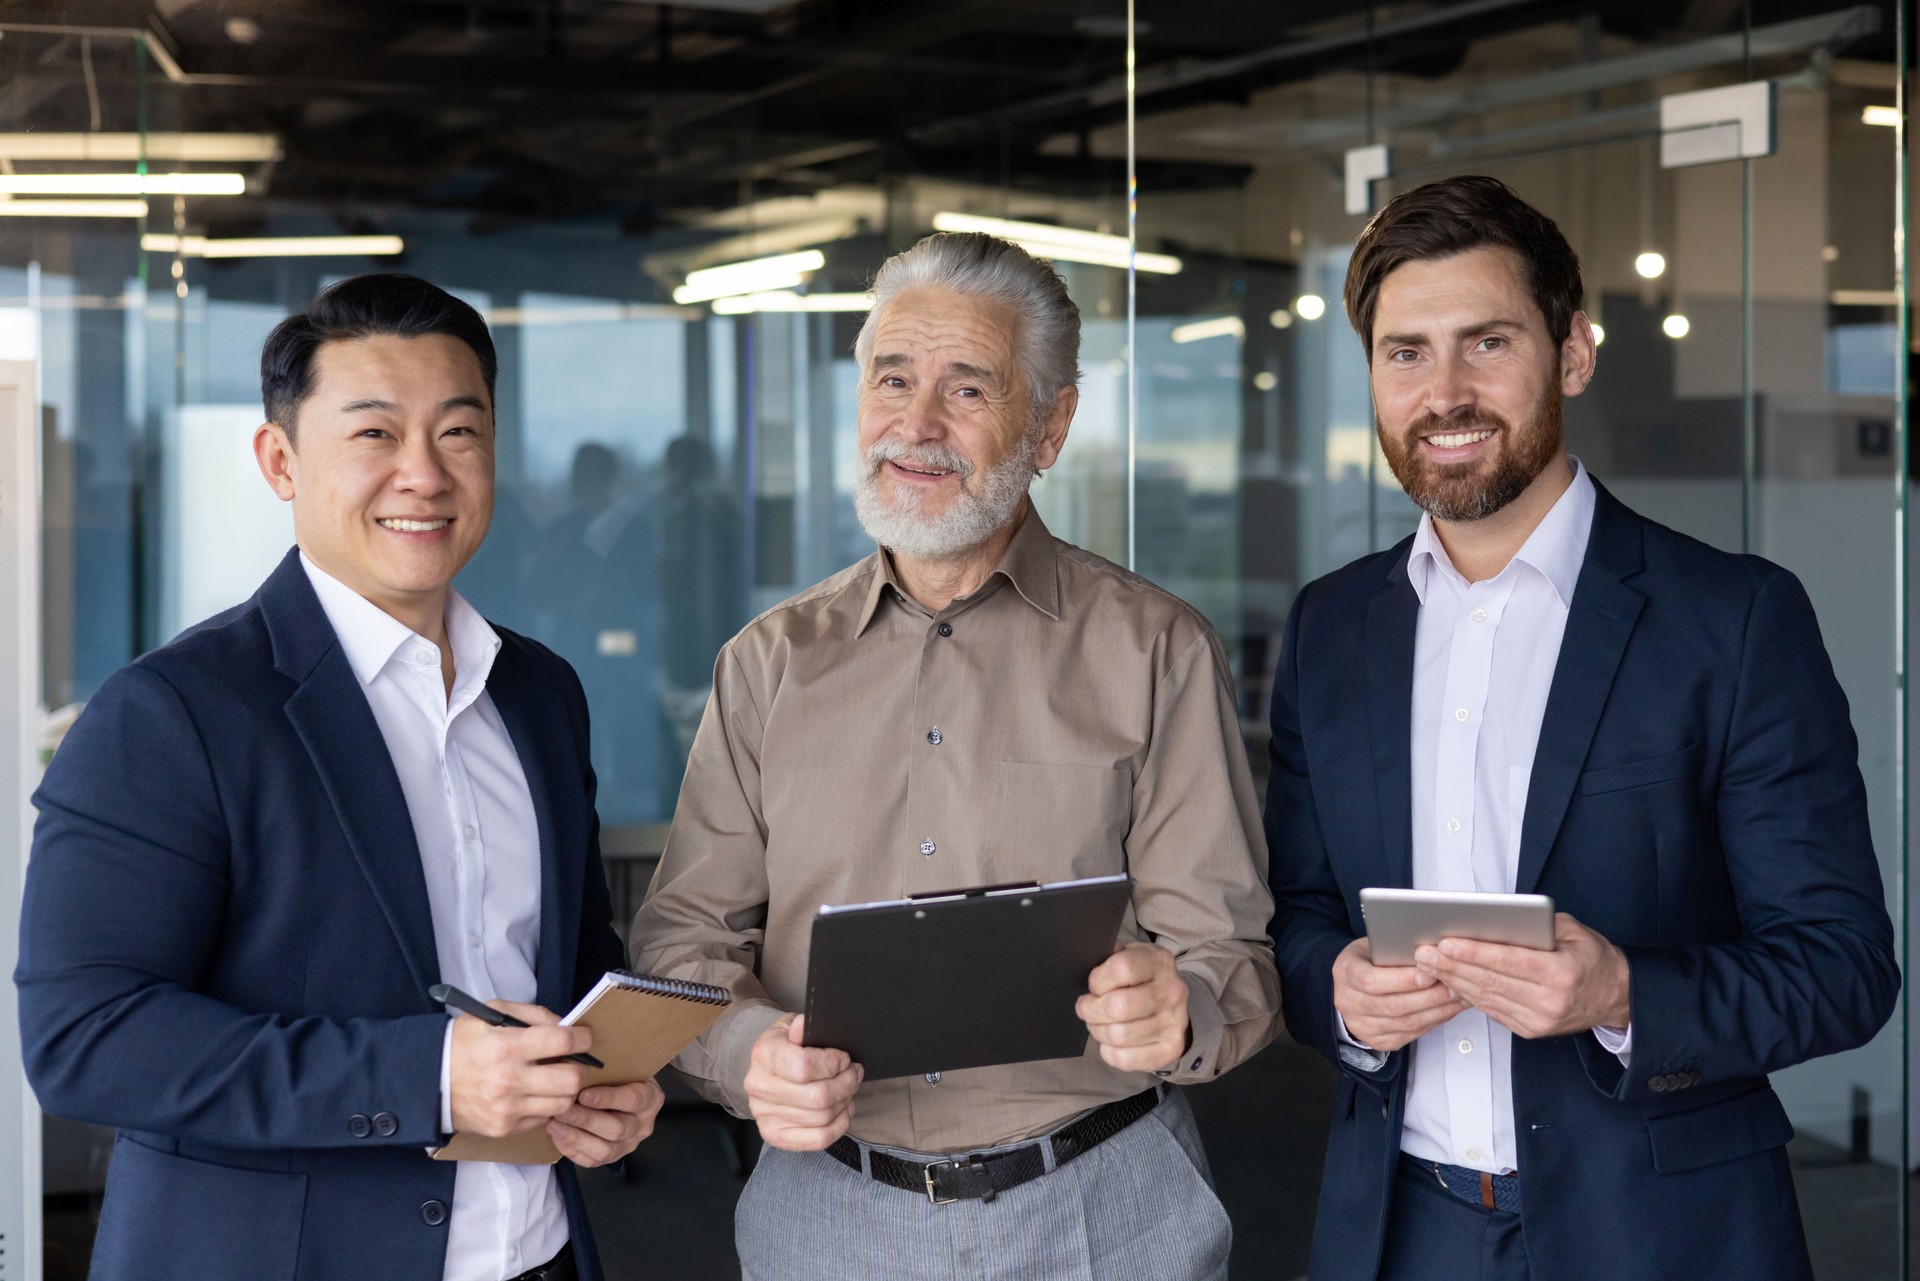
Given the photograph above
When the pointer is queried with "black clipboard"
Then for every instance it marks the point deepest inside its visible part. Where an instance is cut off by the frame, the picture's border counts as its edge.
(965, 978)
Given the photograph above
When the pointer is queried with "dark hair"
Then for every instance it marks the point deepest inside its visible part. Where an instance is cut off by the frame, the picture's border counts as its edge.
(363, 307)
(1450, 217)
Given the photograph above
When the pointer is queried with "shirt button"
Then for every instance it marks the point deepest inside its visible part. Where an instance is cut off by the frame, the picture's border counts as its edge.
(928, 848)
(1453, 825)
(933, 736)
(473, 938)
(423, 659)
(933, 1078)
(1466, 1047)
(471, 831)
(1462, 715)
(1479, 615)
(1473, 1154)
(945, 629)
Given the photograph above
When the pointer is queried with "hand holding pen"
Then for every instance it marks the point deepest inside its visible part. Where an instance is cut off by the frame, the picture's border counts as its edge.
(508, 1076)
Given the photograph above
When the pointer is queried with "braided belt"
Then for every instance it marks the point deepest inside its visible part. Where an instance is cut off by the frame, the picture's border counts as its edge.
(984, 1175)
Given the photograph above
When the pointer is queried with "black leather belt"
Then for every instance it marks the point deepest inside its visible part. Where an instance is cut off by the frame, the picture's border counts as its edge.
(984, 1175)
(558, 1268)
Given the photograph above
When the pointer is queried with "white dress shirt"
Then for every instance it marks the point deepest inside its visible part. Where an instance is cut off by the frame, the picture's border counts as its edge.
(1484, 657)
(480, 848)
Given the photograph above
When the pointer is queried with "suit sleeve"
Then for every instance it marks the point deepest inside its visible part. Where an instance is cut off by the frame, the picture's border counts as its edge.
(1814, 970)
(126, 893)
(1310, 924)
(706, 914)
(600, 946)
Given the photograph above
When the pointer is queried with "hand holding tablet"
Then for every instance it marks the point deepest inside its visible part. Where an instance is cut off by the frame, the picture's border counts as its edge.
(1398, 921)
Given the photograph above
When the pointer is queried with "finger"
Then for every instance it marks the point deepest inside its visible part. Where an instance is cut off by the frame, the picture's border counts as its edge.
(1127, 1004)
(819, 1095)
(1138, 1033)
(1522, 962)
(1382, 979)
(802, 1063)
(582, 1147)
(1148, 1058)
(1403, 1004)
(796, 1029)
(1132, 965)
(551, 1042)
(632, 1097)
(547, 1080)
(535, 1015)
(611, 1126)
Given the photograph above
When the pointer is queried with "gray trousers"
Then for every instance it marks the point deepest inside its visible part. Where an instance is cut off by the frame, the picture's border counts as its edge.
(1141, 1205)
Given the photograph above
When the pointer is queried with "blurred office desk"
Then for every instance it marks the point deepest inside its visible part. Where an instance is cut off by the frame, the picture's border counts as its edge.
(631, 852)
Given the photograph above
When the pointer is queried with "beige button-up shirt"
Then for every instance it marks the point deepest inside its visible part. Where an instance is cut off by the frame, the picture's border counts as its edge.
(1067, 719)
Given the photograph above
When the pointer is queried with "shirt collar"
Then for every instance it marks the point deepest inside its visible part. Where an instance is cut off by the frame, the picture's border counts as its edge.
(1555, 549)
(371, 637)
(1028, 563)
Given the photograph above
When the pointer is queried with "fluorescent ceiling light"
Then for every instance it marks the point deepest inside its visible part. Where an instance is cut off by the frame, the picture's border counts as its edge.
(196, 148)
(73, 208)
(1064, 244)
(1218, 327)
(1864, 298)
(123, 184)
(1888, 116)
(756, 275)
(747, 304)
(272, 246)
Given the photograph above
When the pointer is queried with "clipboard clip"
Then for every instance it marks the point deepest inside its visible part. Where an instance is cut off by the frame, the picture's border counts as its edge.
(978, 891)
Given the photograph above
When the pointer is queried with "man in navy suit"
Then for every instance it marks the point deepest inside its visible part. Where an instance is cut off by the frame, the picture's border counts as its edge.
(1542, 692)
(262, 843)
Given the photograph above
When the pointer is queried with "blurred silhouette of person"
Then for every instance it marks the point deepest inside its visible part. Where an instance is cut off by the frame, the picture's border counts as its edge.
(596, 590)
(700, 533)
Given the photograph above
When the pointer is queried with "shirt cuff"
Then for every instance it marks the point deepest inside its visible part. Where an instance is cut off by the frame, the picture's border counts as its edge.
(1206, 1026)
(1618, 1042)
(733, 1039)
(446, 1081)
(1352, 1052)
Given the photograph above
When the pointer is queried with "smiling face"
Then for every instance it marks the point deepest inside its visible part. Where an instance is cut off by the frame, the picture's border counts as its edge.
(391, 478)
(947, 442)
(1468, 384)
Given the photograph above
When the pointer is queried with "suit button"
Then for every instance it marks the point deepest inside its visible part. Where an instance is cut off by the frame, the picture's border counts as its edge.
(358, 1126)
(1658, 1084)
(386, 1124)
(433, 1213)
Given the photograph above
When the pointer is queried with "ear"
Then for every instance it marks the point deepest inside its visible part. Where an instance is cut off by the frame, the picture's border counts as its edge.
(1054, 435)
(274, 453)
(1578, 356)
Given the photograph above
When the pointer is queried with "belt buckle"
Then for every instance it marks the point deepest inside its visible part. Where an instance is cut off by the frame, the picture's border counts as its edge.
(927, 1170)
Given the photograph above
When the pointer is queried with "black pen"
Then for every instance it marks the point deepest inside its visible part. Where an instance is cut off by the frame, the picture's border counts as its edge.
(449, 995)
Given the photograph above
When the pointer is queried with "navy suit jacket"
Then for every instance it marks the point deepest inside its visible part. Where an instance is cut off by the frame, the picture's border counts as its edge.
(226, 948)
(1696, 799)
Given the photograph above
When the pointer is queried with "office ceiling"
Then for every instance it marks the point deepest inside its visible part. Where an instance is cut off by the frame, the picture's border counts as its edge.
(510, 112)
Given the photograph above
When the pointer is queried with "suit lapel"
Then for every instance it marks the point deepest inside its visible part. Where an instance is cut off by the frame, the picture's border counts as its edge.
(1599, 624)
(330, 713)
(540, 732)
(1392, 615)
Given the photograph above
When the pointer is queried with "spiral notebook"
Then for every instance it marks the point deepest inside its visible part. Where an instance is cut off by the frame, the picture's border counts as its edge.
(640, 1022)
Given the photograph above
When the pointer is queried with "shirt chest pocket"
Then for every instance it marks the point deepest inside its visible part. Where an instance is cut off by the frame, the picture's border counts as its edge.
(1057, 822)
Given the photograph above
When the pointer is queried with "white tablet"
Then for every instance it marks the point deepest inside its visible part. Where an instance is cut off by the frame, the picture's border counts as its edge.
(1400, 920)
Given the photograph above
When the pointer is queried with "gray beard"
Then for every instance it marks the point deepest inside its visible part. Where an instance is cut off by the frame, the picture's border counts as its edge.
(974, 515)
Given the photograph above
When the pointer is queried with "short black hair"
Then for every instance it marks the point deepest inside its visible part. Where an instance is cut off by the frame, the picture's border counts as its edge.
(384, 303)
(1451, 217)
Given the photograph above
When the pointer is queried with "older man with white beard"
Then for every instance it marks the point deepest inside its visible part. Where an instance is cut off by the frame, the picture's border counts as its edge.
(977, 702)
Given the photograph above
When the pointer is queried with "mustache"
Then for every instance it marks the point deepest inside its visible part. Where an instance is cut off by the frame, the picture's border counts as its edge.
(1466, 418)
(888, 450)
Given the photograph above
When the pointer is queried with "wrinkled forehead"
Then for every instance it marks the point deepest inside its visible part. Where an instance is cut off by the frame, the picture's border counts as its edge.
(929, 330)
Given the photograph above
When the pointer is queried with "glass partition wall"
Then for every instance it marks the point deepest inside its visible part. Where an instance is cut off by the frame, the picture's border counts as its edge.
(673, 460)
(1751, 386)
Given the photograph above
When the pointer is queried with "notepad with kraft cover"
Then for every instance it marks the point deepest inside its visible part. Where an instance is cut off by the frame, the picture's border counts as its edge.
(639, 1022)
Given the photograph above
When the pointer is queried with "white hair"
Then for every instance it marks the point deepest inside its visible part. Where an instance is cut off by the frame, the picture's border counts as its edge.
(982, 266)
